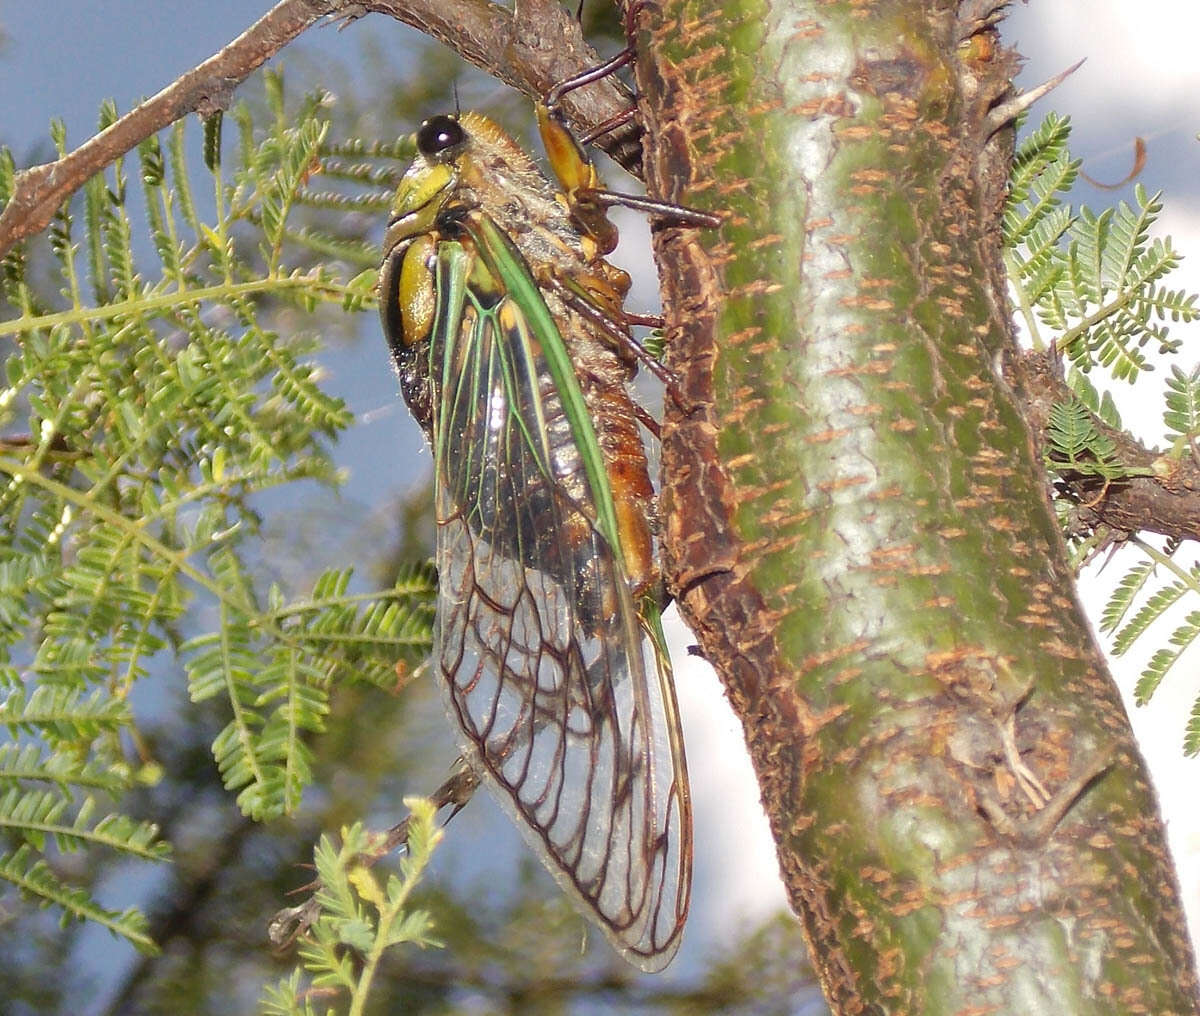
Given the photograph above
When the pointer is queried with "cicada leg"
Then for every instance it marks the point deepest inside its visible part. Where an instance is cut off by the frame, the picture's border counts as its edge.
(602, 70)
(615, 328)
(597, 73)
(611, 124)
(587, 200)
(577, 177)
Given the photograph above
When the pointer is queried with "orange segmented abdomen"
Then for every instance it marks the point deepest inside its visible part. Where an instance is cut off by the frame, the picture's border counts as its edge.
(625, 460)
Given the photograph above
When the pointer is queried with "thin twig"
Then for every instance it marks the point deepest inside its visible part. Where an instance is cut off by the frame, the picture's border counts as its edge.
(1160, 494)
(530, 48)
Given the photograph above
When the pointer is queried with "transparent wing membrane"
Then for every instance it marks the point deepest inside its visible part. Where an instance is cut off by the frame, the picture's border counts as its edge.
(559, 698)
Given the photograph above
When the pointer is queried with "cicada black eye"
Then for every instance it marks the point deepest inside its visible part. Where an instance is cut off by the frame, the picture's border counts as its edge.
(439, 135)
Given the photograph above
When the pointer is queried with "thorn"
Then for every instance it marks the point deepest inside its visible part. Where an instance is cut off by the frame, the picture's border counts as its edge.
(1010, 110)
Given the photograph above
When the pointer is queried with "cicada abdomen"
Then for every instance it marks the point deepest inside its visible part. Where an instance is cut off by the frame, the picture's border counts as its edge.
(490, 293)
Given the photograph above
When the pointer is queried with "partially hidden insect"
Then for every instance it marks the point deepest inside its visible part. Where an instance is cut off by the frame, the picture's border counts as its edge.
(500, 311)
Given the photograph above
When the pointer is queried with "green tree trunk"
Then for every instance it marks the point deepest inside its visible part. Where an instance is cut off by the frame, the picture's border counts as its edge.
(857, 524)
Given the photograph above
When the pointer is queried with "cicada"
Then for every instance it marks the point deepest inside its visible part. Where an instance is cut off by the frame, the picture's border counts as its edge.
(501, 313)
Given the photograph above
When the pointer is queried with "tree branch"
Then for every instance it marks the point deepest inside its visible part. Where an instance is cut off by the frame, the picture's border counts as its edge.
(204, 89)
(1166, 502)
(855, 526)
(530, 48)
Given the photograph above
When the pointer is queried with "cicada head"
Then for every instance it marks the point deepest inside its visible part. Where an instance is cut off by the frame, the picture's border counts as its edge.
(427, 185)
(422, 210)
(407, 299)
(462, 163)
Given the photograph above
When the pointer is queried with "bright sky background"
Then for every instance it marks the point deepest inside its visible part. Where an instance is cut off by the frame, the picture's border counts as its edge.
(1141, 79)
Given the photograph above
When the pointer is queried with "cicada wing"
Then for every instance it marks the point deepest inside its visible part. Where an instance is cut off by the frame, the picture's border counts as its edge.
(538, 640)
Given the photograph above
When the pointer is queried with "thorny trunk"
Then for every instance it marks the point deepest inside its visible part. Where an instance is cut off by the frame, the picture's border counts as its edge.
(857, 526)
